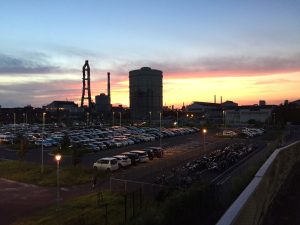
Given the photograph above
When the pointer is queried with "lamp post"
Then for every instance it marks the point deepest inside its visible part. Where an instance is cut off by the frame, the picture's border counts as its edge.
(43, 127)
(176, 118)
(120, 114)
(14, 126)
(113, 119)
(57, 158)
(87, 119)
(187, 117)
(160, 129)
(204, 131)
(224, 119)
(150, 119)
(274, 121)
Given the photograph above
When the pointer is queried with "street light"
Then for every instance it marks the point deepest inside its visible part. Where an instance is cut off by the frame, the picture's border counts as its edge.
(57, 158)
(14, 126)
(87, 118)
(176, 118)
(120, 114)
(150, 118)
(224, 119)
(43, 127)
(204, 131)
(160, 129)
(113, 119)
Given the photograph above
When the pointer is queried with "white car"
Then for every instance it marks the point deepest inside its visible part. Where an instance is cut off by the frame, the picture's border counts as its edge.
(107, 164)
(123, 160)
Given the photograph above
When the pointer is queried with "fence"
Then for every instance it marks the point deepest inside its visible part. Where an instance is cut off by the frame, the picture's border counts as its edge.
(253, 203)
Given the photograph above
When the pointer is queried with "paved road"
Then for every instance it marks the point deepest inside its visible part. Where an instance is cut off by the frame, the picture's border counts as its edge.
(20, 200)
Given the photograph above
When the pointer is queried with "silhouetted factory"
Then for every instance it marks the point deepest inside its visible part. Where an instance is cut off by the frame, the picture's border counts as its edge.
(103, 103)
(145, 93)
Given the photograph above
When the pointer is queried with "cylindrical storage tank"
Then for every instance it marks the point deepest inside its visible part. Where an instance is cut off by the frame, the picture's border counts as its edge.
(145, 93)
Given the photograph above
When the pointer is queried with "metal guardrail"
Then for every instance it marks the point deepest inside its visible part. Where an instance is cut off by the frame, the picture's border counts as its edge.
(125, 182)
(253, 202)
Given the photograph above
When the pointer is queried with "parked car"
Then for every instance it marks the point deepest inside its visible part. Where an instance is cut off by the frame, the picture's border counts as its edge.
(123, 161)
(133, 156)
(150, 153)
(143, 155)
(157, 151)
(108, 164)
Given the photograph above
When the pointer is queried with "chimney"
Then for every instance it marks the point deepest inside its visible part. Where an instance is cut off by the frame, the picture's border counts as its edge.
(221, 100)
(108, 86)
(215, 99)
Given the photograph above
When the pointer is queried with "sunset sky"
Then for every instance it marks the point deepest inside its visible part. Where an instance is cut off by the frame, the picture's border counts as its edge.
(243, 50)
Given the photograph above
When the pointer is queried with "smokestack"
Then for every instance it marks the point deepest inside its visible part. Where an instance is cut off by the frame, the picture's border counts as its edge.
(221, 100)
(108, 86)
(215, 99)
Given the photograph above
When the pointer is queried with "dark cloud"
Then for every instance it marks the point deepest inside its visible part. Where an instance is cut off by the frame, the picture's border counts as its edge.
(41, 93)
(239, 65)
(32, 64)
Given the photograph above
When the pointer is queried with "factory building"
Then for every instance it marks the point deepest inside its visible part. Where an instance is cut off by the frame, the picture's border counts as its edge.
(146, 93)
(245, 114)
(103, 103)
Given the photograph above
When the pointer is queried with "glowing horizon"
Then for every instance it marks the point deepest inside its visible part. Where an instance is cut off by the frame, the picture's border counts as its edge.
(243, 51)
(177, 91)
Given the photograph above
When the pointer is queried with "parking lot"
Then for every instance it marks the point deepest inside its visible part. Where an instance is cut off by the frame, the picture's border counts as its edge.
(181, 146)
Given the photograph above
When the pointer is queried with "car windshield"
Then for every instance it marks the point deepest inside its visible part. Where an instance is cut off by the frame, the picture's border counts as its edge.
(104, 161)
(113, 162)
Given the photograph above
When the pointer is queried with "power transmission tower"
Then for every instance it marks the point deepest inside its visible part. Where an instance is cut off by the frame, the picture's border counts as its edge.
(86, 84)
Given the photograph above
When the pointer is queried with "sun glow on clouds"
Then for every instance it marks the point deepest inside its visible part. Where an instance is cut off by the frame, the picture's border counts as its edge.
(244, 90)
(241, 89)
(177, 88)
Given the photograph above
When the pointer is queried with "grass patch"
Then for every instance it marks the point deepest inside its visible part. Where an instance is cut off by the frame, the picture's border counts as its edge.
(81, 210)
(69, 152)
(31, 173)
(17, 146)
(272, 134)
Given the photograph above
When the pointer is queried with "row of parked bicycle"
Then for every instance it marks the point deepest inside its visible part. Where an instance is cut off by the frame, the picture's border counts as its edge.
(218, 160)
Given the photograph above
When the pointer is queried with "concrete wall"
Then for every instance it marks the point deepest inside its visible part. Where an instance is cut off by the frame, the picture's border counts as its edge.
(253, 203)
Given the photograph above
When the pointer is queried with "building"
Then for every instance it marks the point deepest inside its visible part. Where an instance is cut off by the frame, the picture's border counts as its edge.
(229, 104)
(206, 110)
(297, 102)
(146, 93)
(28, 114)
(262, 102)
(103, 103)
(62, 105)
(248, 114)
(63, 110)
